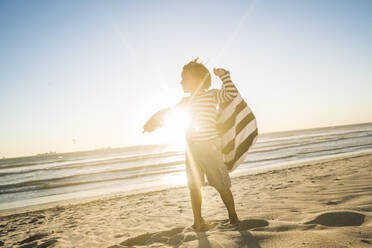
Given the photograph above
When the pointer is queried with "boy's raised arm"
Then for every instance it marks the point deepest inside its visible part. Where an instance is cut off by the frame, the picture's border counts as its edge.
(228, 90)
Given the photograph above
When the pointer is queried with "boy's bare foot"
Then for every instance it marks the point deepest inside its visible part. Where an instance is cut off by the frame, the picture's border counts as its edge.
(200, 226)
(234, 219)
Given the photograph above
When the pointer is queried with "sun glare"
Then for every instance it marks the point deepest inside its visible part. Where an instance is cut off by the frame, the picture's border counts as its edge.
(175, 126)
(176, 179)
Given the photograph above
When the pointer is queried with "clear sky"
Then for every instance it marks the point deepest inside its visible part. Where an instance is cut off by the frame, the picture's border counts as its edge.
(78, 75)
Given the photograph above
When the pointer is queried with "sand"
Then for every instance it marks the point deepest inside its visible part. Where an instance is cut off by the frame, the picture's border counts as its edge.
(316, 204)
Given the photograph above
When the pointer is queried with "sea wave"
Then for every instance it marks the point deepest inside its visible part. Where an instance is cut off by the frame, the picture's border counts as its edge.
(77, 179)
(87, 162)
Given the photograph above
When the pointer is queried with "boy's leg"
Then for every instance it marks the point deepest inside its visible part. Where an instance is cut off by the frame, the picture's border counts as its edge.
(196, 202)
(217, 174)
(228, 200)
(195, 179)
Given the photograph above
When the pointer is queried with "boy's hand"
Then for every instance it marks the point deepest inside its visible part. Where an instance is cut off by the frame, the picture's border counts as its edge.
(155, 121)
(150, 126)
(220, 71)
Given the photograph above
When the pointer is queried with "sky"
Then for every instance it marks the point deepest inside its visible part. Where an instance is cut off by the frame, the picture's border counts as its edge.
(80, 75)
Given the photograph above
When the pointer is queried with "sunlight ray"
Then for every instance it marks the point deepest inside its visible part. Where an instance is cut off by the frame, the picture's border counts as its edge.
(234, 34)
(127, 45)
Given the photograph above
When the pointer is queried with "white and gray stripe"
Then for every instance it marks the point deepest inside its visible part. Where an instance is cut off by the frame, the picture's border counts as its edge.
(238, 129)
(203, 109)
(234, 121)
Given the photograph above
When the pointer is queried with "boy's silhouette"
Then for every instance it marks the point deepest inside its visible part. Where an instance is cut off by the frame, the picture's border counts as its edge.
(203, 155)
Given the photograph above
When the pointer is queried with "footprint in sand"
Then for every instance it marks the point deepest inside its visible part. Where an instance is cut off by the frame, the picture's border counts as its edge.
(338, 219)
(367, 241)
(251, 224)
(332, 203)
(38, 240)
(33, 238)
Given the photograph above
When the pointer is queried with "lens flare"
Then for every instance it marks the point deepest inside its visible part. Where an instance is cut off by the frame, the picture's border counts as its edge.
(176, 123)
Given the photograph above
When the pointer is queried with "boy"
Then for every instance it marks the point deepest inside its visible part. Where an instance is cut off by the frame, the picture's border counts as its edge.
(203, 155)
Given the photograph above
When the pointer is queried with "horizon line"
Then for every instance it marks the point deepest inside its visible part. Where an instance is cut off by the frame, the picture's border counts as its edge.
(165, 144)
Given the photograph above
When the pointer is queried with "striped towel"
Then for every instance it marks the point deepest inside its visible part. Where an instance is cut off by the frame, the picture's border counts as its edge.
(237, 127)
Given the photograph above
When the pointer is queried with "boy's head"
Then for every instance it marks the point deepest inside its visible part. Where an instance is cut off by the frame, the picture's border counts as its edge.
(195, 75)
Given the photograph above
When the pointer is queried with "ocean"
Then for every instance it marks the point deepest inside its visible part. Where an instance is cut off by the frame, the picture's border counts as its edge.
(27, 181)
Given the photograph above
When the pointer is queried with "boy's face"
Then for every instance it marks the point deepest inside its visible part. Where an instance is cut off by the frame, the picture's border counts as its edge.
(189, 82)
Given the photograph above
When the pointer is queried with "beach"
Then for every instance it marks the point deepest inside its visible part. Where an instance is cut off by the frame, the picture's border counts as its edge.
(324, 203)
(113, 113)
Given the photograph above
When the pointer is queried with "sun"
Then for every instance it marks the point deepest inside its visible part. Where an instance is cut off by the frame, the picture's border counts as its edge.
(176, 123)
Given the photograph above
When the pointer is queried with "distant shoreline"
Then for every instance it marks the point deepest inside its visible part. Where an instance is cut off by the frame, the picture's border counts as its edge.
(165, 145)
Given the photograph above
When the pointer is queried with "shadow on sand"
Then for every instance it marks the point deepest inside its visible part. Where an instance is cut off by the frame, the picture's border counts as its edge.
(218, 232)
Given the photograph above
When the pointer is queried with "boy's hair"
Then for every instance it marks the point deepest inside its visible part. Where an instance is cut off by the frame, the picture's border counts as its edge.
(200, 71)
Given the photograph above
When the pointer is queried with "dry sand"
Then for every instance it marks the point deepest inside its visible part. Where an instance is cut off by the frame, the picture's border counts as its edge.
(318, 204)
